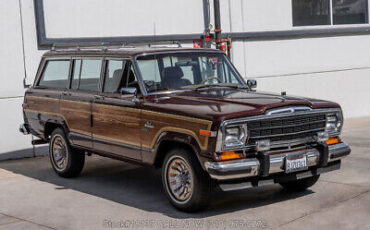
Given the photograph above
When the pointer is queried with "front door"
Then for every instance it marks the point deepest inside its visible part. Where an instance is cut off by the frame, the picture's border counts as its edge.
(116, 117)
(76, 103)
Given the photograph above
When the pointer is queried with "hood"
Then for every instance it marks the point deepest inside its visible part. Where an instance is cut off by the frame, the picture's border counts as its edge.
(221, 104)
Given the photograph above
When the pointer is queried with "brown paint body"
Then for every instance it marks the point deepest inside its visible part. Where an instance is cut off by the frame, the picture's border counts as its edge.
(119, 127)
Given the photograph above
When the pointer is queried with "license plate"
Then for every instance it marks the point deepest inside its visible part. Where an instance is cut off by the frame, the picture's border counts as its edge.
(295, 163)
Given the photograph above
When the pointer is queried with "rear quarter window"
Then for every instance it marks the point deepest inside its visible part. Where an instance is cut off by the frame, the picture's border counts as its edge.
(55, 74)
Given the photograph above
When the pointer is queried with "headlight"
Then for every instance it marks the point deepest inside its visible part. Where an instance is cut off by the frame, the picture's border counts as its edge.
(234, 136)
(334, 123)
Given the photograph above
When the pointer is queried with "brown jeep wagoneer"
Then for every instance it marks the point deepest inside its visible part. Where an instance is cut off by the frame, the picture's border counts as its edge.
(187, 111)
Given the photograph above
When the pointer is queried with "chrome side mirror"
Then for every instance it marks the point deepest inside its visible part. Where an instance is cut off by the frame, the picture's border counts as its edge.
(128, 90)
(252, 84)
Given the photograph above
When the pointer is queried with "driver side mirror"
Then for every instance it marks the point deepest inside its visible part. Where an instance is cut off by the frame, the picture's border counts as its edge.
(128, 90)
(252, 84)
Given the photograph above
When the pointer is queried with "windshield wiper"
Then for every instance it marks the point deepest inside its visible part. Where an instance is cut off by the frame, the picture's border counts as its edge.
(219, 85)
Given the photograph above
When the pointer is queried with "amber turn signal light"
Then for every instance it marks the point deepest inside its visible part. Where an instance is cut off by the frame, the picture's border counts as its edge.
(207, 133)
(332, 141)
(228, 156)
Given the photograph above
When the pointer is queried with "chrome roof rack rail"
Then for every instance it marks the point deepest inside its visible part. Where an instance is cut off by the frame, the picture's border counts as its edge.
(115, 45)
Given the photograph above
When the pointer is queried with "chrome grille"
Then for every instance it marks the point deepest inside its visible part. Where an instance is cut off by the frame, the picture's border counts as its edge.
(286, 128)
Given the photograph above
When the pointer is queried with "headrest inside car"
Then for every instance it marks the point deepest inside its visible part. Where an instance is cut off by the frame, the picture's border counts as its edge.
(173, 72)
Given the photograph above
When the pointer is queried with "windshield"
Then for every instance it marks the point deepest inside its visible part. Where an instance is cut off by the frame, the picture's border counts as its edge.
(186, 70)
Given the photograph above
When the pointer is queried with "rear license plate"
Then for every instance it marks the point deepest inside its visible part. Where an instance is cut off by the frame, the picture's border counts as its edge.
(295, 163)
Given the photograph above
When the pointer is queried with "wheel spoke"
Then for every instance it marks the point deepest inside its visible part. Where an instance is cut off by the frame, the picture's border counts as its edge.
(178, 188)
(59, 151)
(58, 157)
(175, 168)
(179, 179)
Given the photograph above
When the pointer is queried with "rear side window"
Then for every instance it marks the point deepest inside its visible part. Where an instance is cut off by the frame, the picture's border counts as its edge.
(55, 74)
(86, 74)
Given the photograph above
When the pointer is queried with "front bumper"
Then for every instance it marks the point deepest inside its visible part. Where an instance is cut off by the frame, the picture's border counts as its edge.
(274, 164)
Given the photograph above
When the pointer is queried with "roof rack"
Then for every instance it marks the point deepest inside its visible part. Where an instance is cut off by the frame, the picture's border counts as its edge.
(107, 46)
(89, 45)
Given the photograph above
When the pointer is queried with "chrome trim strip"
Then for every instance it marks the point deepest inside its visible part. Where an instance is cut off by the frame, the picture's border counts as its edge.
(263, 117)
(289, 110)
(338, 151)
(233, 187)
(233, 169)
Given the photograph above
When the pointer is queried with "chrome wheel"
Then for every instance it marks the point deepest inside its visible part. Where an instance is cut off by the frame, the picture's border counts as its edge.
(59, 152)
(179, 179)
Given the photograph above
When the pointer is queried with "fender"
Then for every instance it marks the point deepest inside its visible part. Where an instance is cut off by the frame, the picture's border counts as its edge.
(155, 155)
(177, 137)
(56, 120)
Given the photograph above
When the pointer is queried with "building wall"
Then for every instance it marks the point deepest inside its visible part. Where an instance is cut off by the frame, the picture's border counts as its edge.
(333, 68)
(11, 78)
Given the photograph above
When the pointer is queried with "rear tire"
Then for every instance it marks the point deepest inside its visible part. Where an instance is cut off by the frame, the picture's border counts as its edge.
(300, 185)
(66, 161)
(186, 184)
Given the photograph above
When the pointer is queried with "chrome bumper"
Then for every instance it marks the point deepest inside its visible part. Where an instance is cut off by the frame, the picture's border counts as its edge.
(245, 168)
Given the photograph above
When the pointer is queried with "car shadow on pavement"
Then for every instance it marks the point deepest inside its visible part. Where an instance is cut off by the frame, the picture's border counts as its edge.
(141, 187)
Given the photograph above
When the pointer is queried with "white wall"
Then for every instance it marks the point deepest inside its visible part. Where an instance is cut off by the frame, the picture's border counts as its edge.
(11, 78)
(99, 18)
(252, 15)
(11, 64)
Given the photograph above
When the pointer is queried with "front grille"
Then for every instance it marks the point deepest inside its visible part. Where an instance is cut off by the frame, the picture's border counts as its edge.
(286, 128)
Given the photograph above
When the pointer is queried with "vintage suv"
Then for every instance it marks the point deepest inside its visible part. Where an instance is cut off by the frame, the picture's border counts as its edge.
(187, 111)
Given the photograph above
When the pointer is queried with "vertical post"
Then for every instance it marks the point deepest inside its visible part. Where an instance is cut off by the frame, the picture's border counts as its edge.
(216, 6)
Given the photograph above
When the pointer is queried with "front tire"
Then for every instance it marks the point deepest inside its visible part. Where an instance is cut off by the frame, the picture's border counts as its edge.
(300, 185)
(186, 184)
(66, 161)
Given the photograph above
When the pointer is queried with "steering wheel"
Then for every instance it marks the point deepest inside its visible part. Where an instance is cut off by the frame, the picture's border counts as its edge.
(210, 78)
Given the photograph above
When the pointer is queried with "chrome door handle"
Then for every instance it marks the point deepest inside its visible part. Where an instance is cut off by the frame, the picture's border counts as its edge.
(99, 97)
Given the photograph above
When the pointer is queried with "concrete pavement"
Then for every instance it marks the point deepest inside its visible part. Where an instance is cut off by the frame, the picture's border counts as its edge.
(115, 195)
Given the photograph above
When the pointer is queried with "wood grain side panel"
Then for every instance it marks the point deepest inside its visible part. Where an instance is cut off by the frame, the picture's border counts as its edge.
(77, 115)
(117, 123)
(162, 122)
(43, 104)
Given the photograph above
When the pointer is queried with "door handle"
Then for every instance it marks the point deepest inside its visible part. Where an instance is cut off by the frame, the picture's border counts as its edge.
(98, 97)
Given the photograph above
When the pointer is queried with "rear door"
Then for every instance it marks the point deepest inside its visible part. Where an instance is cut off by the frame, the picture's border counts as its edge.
(116, 117)
(76, 103)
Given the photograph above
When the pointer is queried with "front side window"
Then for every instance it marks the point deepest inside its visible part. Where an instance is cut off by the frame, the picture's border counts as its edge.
(186, 70)
(86, 74)
(55, 74)
(329, 12)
